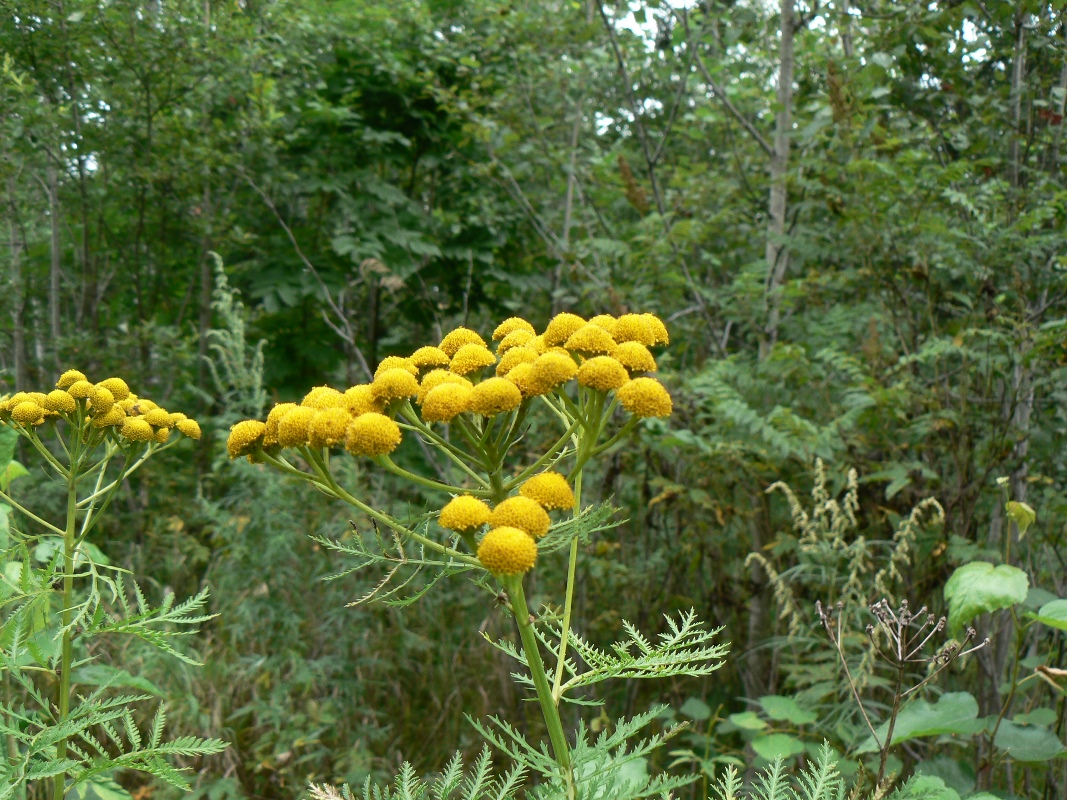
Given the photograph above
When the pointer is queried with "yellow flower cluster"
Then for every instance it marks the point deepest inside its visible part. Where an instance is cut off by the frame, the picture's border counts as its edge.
(108, 406)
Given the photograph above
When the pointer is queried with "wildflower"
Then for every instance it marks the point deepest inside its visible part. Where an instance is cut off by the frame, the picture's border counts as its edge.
(645, 397)
(396, 362)
(522, 375)
(507, 551)
(114, 416)
(561, 327)
(635, 357)
(590, 340)
(537, 344)
(69, 378)
(605, 321)
(157, 417)
(101, 399)
(13, 401)
(522, 513)
(161, 435)
(429, 357)
(550, 489)
(274, 418)
(80, 389)
(293, 427)
(245, 436)
(494, 396)
(174, 417)
(117, 386)
(634, 328)
(457, 338)
(516, 355)
(445, 402)
(431, 380)
(514, 339)
(471, 358)
(659, 330)
(372, 434)
(329, 427)
(136, 430)
(323, 397)
(464, 513)
(189, 428)
(128, 404)
(360, 399)
(393, 384)
(552, 369)
(28, 413)
(602, 373)
(510, 325)
(142, 406)
(59, 401)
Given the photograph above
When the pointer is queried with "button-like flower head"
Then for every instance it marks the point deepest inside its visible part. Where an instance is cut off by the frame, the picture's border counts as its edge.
(245, 436)
(394, 384)
(645, 397)
(550, 489)
(372, 434)
(494, 396)
(456, 339)
(507, 551)
(464, 513)
(602, 373)
(522, 513)
(471, 358)
(509, 326)
(445, 402)
(635, 357)
(561, 327)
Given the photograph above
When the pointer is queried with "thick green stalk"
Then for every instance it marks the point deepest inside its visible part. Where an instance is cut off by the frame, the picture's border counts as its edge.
(568, 605)
(67, 655)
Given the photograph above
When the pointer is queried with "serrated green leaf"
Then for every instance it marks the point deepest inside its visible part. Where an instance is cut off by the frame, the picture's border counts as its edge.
(980, 587)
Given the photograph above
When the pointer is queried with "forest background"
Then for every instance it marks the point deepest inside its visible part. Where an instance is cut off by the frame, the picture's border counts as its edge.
(852, 218)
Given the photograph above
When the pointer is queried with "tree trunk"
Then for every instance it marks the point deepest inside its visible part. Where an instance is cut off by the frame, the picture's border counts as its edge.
(18, 299)
(777, 256)
(1018, 69)
(54, 322)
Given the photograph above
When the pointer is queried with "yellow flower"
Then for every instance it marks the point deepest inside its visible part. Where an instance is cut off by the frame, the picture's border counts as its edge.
(659, 330)
(245, 436)
(28, 413)
(274, 418)
(329, 427)
(552, 369)
(464, 513)
(360, 399)
(429, 357)
(522, 513)
(161, 435)
(174, 418)
(634, 328)
(59, 401)
(431, 380)
(605, 321)
(494, 396)
(394, 383)
(645, 397)
(158, 418)
(189, 428)
(602, 373)
(101, 399)
(537, 344)
(293, 426)
(513, 340)
(445, 402)
(561, 327)
(117, 386)
(372, 434)
(471, 358)
(510, 325)
(396, 362)
(323, 397)
(136, 430)
(115, 416)
(128, 404)
(507, 551)
(635, 357)
(459, 337)
(550, 489)
(69, 378)
(514, 356)
(142, 406)
(79, 390)
(522, 375)
(14, 400)
(590, 340)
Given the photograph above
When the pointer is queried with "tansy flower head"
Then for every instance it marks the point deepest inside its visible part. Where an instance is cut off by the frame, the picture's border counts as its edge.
(537, 344)
(245, 436)
(117, 386)
(396, 362)
(464, 513)
(136, 429)
(59, 401)
(360, 399)
(14, 400)
(372, 434)
(329, 427)
(509, 326)
(101, 399)
(143, 406)
(274, 418)
(174, 418)
(446, 401)
(522, 375)
(645, 397)
(293, 427)
(80, 389)
(550, 489)
(659, 330)
(552, 369)
(128, 404)
(323, 397)
(459, 337)
(115, 416)
(494, 396)
(393, 384)
(522, 513)
(635, 357)
(189, 428)
(429, 358)
(161, 435)
(516, 355)
(431, 380)
(69, 378)
(507, 551)
(471, 358)
(590, 340)
(561, 327)
(634, 328)
(605, 321)
(27, 413)
(512, 340)
(160, 418)
(602, 373)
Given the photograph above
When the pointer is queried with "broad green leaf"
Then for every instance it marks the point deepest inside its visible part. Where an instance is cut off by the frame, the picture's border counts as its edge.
(1053, 614)
(1021, 514)
(979, 587)
(98, 788)
(953, 713)
(8, 439)
(8, 473)
(1043, 717)
(695, 708)
(786, 709)
(957, 774)
(748, 720)
(1028, 742)
(775, 745)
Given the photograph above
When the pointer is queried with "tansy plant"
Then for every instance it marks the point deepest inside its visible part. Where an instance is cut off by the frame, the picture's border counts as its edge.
(68, 717)
(501, 510)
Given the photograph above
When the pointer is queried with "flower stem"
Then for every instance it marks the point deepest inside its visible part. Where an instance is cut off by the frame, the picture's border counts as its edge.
(568, 605)
(67, 655)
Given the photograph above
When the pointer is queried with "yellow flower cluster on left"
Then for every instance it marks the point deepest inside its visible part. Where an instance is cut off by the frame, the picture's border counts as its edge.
(108, 407)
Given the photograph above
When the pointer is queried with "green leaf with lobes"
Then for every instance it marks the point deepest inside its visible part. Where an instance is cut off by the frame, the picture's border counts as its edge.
(979, 587)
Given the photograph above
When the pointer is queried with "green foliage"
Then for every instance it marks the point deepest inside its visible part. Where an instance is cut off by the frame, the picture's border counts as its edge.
(981, 587)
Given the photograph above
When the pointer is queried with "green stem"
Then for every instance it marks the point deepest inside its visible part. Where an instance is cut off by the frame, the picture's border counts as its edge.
(67, 656)
(568, 606)
(23, 510)
(392, 467)
(549, 455)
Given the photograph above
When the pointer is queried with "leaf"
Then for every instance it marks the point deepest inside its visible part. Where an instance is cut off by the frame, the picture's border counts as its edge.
(925, 787)
(980, 587)
(786, 709)
(1021, 514)
(8, 439)
(1053, 614)
(1028, 742)
(1043, 717)
(777, 745)
(98, 789)
(695, 708)
(953, 713)
(748, 720)
(105, 675)
(9, 473)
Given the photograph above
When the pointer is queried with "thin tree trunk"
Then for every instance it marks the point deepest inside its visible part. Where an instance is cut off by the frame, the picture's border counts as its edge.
(54, 322)
(777, 256)
(18, 298)
(1018, 69)
(1061, 103)
(846, 29)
